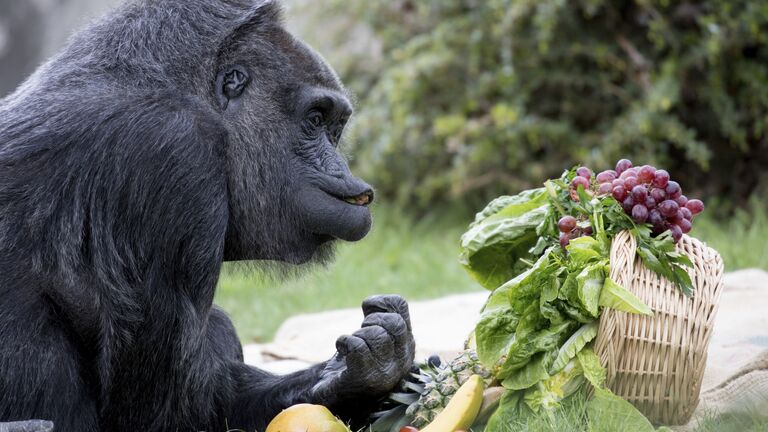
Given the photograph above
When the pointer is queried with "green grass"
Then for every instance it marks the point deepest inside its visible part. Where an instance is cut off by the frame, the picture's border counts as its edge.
(753, 422)
(413, 258)
(741, 239)
(418, 259)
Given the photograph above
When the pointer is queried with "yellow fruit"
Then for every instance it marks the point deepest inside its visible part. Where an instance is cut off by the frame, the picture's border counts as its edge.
(306, 418)
(462, 409)
(491, 398)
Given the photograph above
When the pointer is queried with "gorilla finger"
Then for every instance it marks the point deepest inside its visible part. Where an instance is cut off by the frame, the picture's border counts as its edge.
(351, 345)
(393, 323)
(388, 303)
(379, 342)
(395, 326)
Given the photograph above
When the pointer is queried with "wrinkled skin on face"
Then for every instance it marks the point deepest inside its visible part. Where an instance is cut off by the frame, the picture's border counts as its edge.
(285, 125)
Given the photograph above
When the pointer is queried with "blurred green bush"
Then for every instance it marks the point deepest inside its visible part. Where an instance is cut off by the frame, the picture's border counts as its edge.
(473, 98)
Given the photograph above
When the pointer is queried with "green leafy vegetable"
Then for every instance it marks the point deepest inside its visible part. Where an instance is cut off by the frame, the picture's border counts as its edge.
(495, 332)
(511, 411)
(549, 392)
(614, 413)
(617, 297)
(547, 293)
(547, 304)
(573, 346)
(583, 250)
(590, 283)
(521, 351)
(594, 372)
(531, 373)
(501, 235)
(659, 255)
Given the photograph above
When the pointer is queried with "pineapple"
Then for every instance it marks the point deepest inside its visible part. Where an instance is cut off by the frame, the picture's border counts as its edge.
(420, 402)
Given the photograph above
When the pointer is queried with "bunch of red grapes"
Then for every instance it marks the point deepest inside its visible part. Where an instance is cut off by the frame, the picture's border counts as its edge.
(645, 193)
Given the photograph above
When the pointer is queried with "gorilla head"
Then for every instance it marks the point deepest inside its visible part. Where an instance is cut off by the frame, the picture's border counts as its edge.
(279, 106)
(284, 167)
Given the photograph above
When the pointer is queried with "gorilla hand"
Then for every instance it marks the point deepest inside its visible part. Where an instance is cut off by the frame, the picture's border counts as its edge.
(372, 361)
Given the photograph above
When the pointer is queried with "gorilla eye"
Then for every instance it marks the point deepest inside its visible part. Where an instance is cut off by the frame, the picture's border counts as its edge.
(316, 119)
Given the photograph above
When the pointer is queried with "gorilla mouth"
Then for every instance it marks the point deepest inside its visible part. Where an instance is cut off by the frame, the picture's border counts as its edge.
(363, 200)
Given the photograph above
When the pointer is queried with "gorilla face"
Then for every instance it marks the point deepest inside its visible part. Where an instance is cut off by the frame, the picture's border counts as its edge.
(290, 191)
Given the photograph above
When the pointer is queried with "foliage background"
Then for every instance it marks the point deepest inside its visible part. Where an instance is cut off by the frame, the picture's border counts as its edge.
(462, 100)
(468, 99)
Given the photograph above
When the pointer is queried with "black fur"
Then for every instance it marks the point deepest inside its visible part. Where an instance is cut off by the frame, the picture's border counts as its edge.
(127, 176)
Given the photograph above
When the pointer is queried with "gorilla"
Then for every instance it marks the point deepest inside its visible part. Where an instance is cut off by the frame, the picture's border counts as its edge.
(165, 139)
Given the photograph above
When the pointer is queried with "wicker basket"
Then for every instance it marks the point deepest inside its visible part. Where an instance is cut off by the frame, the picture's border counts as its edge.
(657, 362)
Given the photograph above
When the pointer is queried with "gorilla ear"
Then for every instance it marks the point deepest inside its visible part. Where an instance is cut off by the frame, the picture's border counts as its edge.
(230, 84)
(232, 80)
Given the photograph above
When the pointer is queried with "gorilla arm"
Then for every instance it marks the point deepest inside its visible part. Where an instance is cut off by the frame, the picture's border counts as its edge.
(367, 366)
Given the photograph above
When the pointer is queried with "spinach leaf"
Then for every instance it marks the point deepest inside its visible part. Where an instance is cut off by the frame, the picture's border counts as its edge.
(495, 332)
(501, 235)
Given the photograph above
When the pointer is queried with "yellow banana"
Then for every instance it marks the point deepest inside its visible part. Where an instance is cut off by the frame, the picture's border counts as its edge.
(461, 410)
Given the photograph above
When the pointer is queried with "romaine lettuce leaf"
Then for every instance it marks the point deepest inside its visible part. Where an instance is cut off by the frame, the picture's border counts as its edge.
(574, 312)
(590, 284)
(573, 346)
(531, 373)
(583, 250)
(523, 348)
(547, 306)
(511, 205)
(512, 311)
(511, 411)
(531, 321)
(520, 291)
(617, 297)
(590, 364)
(548, 393)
